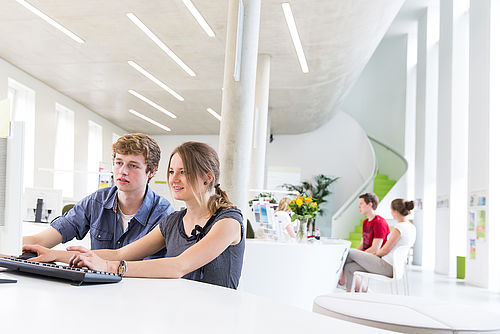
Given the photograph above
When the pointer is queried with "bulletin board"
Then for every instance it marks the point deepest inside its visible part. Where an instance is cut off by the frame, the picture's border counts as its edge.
(476, 221)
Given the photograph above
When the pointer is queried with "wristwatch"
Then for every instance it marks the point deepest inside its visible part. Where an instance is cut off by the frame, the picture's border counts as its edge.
(122, 268)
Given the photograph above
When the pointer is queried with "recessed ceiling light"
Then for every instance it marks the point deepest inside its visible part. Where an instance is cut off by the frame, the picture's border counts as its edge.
(213, 113)
(133, 112)
(50, 21)
(201, 21)
(162, 45)
(155, 80)
(151, 103)
(290, 21)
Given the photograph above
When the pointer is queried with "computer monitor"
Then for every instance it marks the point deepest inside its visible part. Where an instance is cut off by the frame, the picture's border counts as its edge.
(11, 185)
(41, 205)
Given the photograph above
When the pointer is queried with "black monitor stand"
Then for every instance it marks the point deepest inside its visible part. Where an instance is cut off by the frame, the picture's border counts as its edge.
(38, 210)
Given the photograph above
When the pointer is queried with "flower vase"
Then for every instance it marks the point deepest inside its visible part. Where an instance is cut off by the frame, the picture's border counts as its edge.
(303, 230)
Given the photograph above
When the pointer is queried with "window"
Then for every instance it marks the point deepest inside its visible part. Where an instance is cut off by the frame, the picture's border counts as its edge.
(115, 137)
(64, 156)
(94, 156)
(22, 109)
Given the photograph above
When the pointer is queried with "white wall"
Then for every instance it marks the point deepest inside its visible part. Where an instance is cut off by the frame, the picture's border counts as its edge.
(338, 148)
(378, 99)
(45, 128)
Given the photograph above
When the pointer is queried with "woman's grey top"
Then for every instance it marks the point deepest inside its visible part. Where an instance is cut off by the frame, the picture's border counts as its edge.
(224, 270)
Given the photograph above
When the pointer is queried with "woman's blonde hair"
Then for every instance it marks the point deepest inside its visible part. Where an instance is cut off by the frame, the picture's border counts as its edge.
(283, 204)
(199, 160)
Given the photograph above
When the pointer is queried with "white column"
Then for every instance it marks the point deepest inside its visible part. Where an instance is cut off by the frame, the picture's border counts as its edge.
(425, 137)
(484, 121)
(411, 112)
(443, 162)
(459, 133)
(238, 99)
(451, 179)
(260, 126)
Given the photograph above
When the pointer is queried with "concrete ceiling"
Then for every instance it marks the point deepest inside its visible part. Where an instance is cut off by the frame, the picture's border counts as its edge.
(339, 37)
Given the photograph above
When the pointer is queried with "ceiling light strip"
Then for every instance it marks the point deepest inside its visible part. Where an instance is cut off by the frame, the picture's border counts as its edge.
(155, 80)
(160, 44)
(198, 17)
(133, 112)
(151, 103)
(213, 113)
(50, 21)
(290, 21)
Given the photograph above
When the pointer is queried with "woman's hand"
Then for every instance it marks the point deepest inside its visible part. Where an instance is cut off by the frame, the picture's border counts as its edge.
(43, 254)
(88, 259)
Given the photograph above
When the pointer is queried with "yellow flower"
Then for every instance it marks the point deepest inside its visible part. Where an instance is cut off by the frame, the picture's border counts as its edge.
(314, 205)
(299, 202)
(308, 199)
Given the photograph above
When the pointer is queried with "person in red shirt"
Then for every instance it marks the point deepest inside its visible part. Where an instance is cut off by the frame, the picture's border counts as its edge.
(375, 229)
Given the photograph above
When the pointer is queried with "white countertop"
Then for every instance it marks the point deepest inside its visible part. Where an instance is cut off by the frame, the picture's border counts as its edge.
(39, 305)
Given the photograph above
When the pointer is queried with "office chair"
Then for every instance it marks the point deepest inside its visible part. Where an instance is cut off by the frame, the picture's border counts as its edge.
(66, 208)
(399, 273)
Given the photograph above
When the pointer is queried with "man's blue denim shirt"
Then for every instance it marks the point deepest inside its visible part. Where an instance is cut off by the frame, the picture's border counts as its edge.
(98, 213)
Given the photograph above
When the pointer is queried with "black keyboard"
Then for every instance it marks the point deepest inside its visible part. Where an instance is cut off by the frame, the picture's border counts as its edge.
(76, 275)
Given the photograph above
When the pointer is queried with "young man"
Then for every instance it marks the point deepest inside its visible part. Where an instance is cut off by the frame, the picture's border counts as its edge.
(375, 228)
(118, 215)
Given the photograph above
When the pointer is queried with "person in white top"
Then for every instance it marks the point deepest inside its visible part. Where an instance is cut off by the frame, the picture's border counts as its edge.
(404, 234)
(283, 220)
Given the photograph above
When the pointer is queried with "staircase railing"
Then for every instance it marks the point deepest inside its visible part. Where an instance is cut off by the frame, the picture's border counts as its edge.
(364, 187)
(359, 190)
(396, 153)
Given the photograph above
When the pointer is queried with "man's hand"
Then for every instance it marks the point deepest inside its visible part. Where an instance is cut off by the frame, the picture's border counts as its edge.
(43, 254)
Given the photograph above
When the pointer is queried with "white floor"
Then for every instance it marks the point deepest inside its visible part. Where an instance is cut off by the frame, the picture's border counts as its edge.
(426, 283)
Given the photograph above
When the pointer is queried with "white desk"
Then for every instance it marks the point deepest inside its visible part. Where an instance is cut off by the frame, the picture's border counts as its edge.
(292, 273)
(30, 228)
(37, 305)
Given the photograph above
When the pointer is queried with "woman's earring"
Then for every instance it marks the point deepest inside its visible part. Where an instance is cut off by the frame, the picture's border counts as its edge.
(205, 183)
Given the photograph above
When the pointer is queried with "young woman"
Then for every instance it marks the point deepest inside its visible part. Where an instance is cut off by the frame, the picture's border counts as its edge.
(282, 217)
(204, 242)
(404, 234)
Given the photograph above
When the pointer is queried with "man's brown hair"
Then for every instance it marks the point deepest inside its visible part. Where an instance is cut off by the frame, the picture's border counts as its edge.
(370, 198)
(139, 143)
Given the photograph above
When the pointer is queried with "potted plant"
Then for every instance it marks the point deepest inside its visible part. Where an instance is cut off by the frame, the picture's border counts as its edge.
(317, 189)
(304, 209)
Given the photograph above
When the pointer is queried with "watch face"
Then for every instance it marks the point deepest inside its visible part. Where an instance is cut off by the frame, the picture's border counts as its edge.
(122, 268)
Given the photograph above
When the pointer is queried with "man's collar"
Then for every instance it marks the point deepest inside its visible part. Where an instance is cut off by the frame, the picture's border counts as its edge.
(112, 197)
(143, 214)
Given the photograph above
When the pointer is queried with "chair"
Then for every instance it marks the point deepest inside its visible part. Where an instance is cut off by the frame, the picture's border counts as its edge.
(66, 208)
(399, 272)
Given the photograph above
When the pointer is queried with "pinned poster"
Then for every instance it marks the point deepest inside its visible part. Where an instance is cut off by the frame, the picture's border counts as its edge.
(481, 225)
(478, 211)
(471, 226)
(472, 249)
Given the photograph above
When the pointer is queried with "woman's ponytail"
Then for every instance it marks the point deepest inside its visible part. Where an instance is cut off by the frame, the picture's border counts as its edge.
(402, 207)
(219, 200)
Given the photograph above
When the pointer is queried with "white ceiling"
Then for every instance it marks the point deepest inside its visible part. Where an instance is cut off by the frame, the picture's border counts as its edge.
(338, 36)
